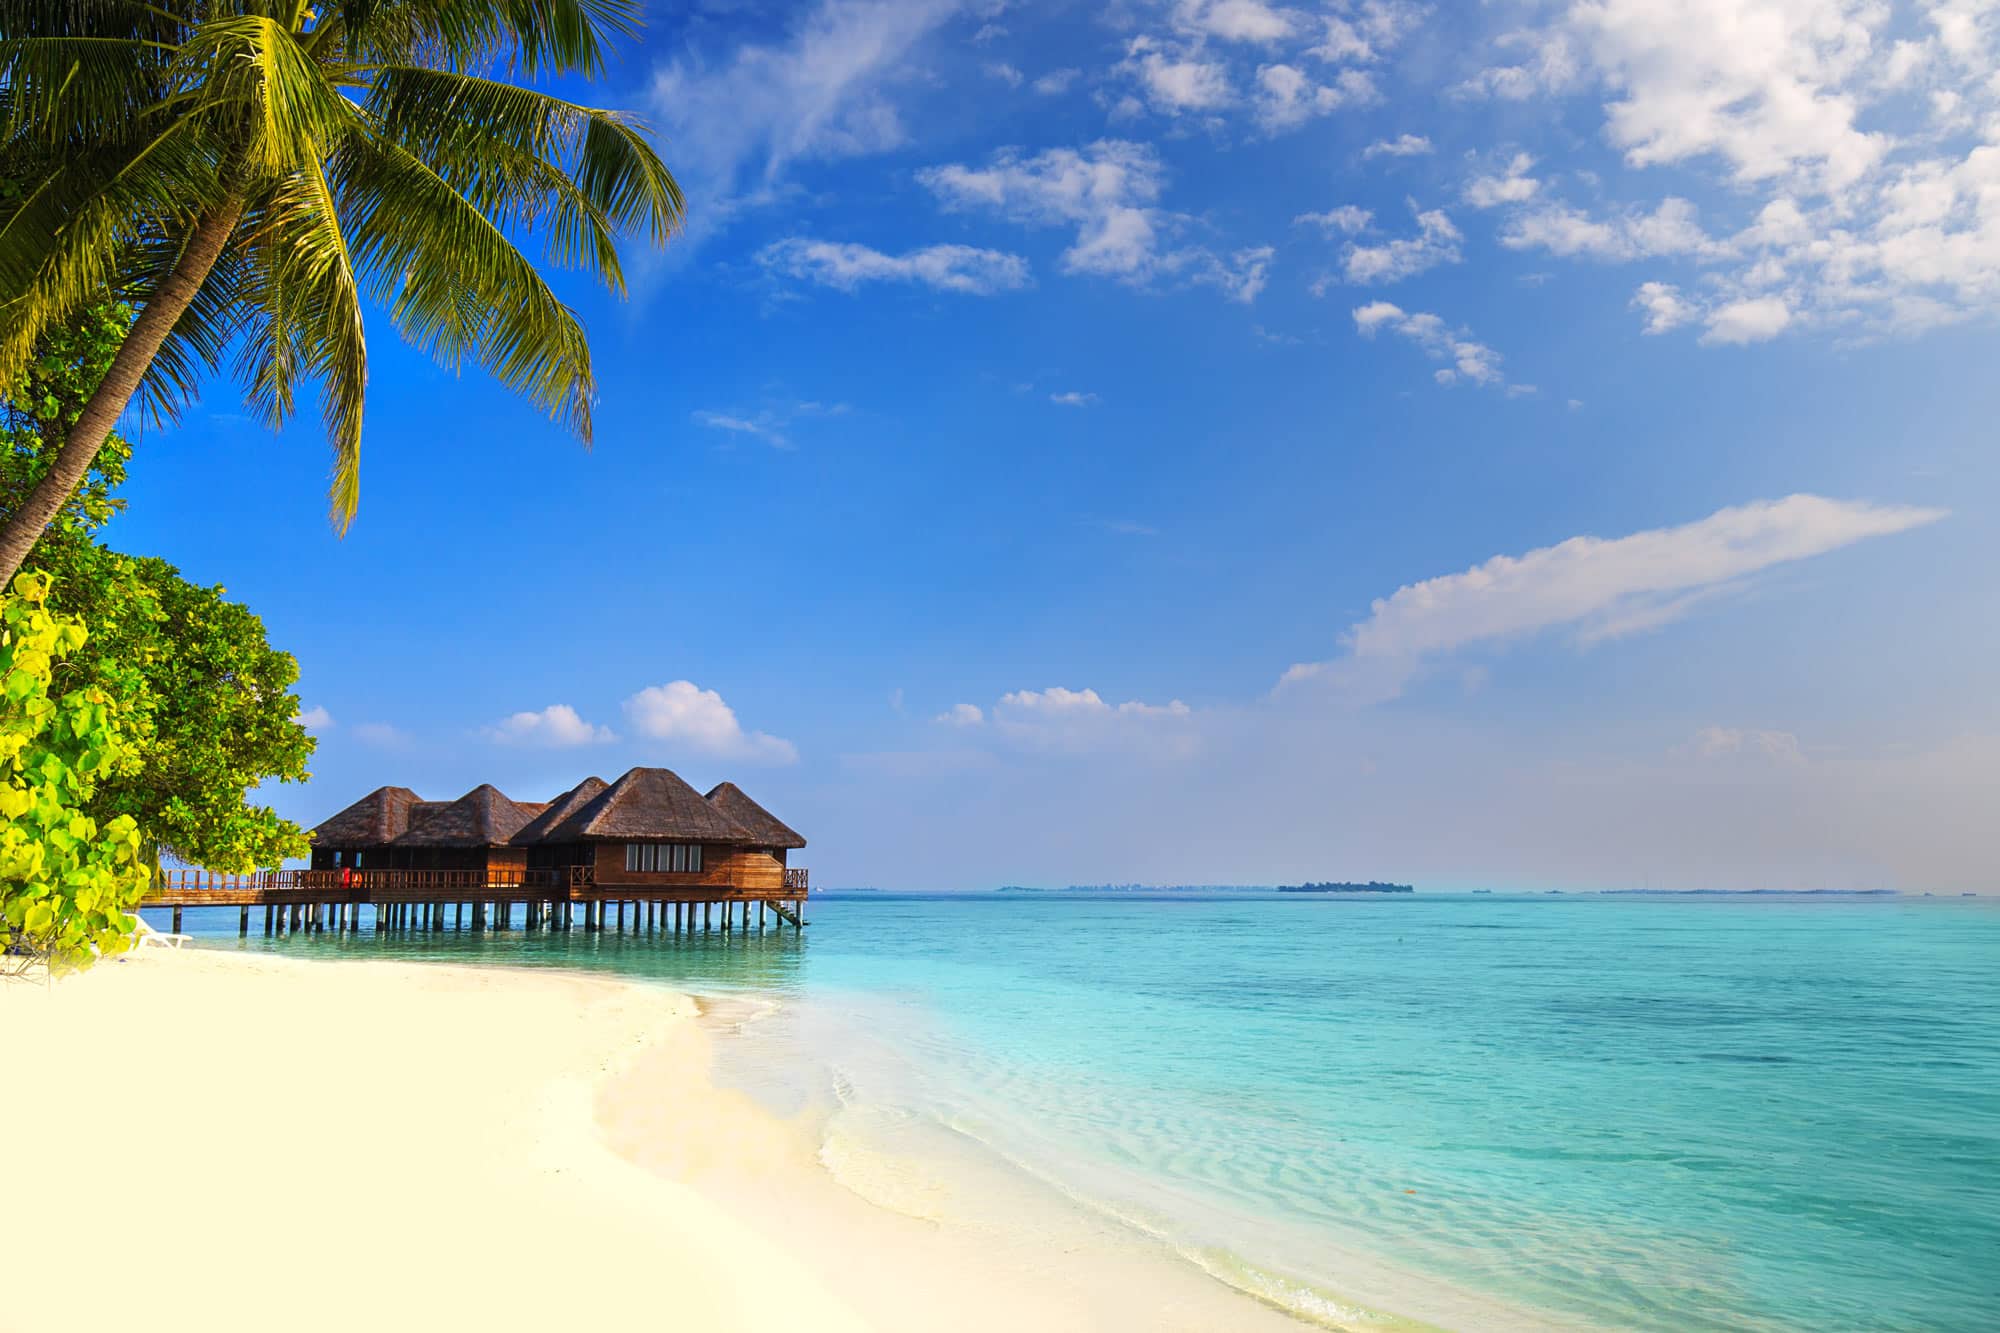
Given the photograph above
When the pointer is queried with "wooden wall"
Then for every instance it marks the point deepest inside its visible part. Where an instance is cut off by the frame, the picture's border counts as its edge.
(511, 860)
(741, 868)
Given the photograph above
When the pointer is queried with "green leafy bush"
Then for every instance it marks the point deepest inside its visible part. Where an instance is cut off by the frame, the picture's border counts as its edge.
(67, 883)
(212, 713)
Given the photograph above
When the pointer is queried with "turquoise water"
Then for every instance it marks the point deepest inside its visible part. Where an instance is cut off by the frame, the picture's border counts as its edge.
(1482, 1111)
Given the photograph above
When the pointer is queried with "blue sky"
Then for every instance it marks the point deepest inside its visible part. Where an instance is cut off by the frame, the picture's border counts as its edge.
(1529, 445)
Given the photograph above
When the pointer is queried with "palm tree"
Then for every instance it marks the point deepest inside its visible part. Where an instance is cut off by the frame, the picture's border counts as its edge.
(242, 171)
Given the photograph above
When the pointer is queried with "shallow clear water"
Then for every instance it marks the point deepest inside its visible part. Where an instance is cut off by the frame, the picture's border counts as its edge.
(1658, 1113)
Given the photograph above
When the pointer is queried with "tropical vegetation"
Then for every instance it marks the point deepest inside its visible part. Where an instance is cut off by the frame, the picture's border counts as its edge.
(197, 188)
(242, 172)
(68, 882)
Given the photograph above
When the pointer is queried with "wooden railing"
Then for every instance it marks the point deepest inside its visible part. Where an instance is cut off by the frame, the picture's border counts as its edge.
(194, 882)
(191, 886)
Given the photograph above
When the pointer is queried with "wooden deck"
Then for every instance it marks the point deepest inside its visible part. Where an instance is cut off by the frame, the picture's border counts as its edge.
(428, 899)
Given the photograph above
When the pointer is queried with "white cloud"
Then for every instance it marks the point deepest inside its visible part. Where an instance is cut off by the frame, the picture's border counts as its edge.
(1469, 359)
(1063, 720)
(683, 714)
(1175, 83)
(824, 91)
(1348, 219)
(1600, 588)
(1670, 229)
(961, 715)
(1403, 145)
(1550, 66)
(1754, 319)
(1860, 140)
(947, 268)
(1056, 82)
(1436, 242)
(1774, 101)
(770, 425)
(1128, 527)
(740, 425)
(1109, 193)
(1665, 310)
(1779, 747)
(1288, 97)
(315, 718)
(1235, 20)
(1211, 59)
(1512, 186)
(558, 725)
(1057, 701)
(1239, 275)
(1073, 398)
(1364, 33)
(1004, 72)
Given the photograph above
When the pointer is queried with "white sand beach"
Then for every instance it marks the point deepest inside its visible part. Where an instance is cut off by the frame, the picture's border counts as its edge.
(199, 1139)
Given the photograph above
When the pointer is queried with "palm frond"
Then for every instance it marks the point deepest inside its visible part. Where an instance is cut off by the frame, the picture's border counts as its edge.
(78, 90)
(62, 240)
(358, 146)
(532, 36)
(307, 323)
(454, 283)
(287, 108)
(532, 159)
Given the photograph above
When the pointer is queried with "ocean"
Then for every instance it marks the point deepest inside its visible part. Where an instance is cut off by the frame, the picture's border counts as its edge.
(1463, 1111)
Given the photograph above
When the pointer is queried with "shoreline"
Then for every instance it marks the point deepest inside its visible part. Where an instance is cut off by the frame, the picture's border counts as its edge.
(483, 1146)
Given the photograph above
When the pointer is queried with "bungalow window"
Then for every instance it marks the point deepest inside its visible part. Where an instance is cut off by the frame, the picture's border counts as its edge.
(654, 857)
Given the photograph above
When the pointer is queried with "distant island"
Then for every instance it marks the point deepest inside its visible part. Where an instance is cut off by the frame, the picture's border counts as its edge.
(1342, 886)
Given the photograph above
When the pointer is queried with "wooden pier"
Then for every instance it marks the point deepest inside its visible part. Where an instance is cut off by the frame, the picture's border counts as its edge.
(318, 900)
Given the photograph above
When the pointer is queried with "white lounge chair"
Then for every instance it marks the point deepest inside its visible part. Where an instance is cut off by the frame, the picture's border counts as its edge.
(159, 939)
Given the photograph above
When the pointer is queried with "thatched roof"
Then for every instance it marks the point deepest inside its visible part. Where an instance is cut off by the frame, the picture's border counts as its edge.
(766, 827)
(646, 803)
(483, 817)
(651, 803)
(537, 830)
(379, 817)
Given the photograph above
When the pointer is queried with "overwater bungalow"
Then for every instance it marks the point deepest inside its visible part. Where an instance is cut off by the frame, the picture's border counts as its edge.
(649, 830)
(648, 842)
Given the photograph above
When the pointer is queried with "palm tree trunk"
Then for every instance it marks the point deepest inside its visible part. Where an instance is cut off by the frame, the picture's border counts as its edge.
(24, 527)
